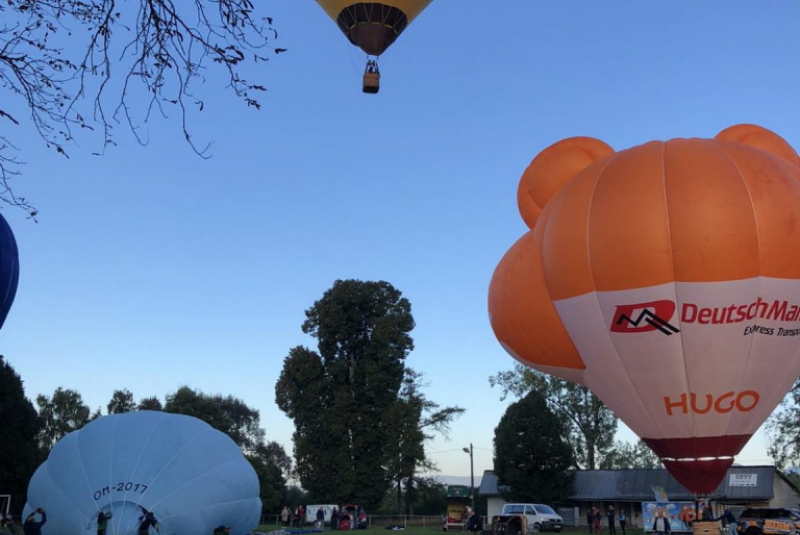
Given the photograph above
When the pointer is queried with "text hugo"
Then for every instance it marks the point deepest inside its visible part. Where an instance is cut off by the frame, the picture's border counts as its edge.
(744, 401)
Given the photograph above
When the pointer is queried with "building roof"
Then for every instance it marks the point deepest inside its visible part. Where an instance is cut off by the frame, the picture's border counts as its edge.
(489, 484)
(637, 485)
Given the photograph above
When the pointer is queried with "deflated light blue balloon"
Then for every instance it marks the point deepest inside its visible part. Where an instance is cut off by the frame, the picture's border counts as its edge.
(192, 477)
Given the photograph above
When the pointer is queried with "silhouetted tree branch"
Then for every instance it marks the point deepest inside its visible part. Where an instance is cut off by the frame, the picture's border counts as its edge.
(57, 54)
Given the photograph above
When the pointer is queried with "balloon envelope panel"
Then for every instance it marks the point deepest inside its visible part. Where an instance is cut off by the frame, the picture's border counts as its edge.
(373, 26)
(191, 476)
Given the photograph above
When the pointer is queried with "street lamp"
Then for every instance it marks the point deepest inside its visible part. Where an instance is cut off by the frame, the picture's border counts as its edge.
(471, 475)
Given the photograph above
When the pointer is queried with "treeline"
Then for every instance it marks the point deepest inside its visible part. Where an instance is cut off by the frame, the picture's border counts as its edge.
(361, 417)
(29, 432)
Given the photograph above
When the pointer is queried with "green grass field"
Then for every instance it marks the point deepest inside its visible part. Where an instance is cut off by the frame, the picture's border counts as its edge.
(417, 531)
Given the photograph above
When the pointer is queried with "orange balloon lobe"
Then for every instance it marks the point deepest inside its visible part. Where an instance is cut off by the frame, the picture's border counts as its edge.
(552, 168)
(666, 278)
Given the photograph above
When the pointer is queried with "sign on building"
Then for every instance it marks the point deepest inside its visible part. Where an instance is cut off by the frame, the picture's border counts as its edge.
(743, 480)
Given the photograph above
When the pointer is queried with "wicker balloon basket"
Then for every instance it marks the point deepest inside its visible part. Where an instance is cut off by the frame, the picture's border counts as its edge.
(706, 528)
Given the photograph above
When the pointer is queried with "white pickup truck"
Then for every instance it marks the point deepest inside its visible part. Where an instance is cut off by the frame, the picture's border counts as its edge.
(539, 517)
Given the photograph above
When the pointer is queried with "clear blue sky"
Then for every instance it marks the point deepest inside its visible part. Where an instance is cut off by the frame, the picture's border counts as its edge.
(151, 268)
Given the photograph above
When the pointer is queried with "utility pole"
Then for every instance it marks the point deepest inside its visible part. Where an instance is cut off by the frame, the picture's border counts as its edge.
(471, 475)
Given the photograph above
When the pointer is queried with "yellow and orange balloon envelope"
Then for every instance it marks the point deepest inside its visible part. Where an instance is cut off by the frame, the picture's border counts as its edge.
(665, 278)
(373, 26)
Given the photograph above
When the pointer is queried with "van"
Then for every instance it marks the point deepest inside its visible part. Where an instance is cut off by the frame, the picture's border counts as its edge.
(311, 513)
(540, 517)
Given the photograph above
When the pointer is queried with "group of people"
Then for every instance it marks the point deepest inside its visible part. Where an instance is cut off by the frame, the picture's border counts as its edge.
(298, 518)
(594, 518)
(7, 522)
(31, 526)
(286, 516)
(146, 521)
(661, 524)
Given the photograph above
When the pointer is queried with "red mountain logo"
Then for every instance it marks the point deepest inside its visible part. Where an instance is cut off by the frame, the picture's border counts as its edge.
(651, 316)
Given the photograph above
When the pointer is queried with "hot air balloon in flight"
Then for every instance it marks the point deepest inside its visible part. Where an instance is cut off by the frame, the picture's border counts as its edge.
(666, 279)
(373, 27)
(9, 269)
(190, 476)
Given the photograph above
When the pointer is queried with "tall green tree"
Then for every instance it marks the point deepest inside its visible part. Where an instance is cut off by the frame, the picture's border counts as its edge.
(430, 496)
(342, 397)
(783, 432)
(151, 403)
(793, 477)
(533, 457)
(592, 425)
(121, 402)
(322, 445)
(625, 455)
(271, 463)
(60, 415)
(417, 420)
(226, 413)
(19, 447)
(296, 495)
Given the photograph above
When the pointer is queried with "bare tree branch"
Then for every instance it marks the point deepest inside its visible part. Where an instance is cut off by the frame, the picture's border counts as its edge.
(129, 59)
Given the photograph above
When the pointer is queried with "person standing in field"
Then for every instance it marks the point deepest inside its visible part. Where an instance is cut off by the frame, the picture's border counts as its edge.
(612, 520)
(146, 521)
(661, 523)
(102, 522)
(31, 526)
(285, 514)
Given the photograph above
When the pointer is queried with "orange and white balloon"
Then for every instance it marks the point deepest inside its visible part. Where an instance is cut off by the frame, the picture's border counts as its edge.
(665, 278)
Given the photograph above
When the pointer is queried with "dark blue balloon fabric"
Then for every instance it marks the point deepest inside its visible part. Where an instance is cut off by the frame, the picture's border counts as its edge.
(9, 269)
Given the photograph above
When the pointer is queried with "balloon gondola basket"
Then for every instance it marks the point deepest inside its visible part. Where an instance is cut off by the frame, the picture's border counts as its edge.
(372, 78)
(706, 528)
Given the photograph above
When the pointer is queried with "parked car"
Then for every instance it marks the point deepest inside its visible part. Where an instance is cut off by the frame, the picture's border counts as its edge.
(539, 517)
(768, 521)
(349, 513)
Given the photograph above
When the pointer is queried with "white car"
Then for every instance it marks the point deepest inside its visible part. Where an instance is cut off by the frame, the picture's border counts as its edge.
(539, 516)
